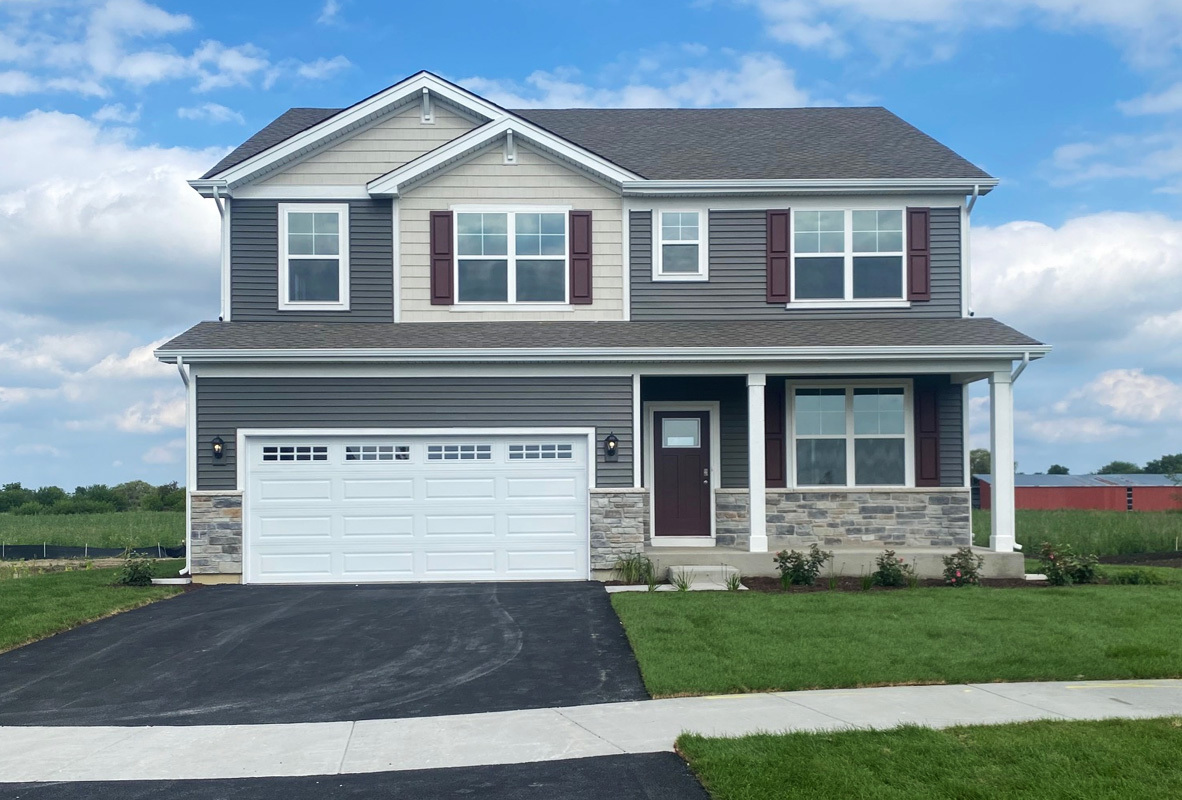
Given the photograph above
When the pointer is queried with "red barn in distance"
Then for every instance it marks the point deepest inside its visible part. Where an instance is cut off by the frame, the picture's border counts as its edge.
(1098, 492)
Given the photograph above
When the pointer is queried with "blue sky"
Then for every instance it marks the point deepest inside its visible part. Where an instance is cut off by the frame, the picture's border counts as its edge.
(107, 106)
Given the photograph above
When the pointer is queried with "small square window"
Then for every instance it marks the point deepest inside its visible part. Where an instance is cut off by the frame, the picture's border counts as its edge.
(680, 245)
(681, 432)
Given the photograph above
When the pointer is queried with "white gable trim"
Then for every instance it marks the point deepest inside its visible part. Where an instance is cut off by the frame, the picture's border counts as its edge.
(392, 182)
(352, 117)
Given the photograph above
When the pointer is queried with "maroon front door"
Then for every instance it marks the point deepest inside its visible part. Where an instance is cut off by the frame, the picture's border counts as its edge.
(681, 473)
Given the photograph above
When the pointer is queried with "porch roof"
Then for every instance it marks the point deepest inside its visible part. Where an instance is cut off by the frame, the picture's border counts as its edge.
(613, 341)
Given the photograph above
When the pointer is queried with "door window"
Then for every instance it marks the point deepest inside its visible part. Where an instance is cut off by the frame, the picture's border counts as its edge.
(681, 432)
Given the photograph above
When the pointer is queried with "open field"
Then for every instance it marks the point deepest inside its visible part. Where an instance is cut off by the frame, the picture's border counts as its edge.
(1100, 532)
(35, 606)
(139, 528)
(1052, 760)
(724, 642)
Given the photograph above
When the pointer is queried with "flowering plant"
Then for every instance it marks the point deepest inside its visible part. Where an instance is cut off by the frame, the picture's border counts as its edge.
(963, 568)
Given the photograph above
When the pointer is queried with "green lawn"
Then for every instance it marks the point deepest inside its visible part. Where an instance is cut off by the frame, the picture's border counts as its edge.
(723, 642)
(1110, 571)
(35, 606)
(1104, 533)
(1111, 759)
(140, 528)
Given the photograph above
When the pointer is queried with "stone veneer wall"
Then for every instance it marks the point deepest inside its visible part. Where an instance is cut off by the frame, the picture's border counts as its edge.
(216, 535)
(899, 517)
(619, 524)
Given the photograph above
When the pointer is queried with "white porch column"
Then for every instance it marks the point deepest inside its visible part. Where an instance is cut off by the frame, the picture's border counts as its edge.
(756, 468)
(1001, 430)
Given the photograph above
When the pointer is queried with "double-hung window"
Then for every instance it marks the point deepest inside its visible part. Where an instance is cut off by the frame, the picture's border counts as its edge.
(681, 251)
(851, 436)
(313, 257)
(511, 256)
(848, 256)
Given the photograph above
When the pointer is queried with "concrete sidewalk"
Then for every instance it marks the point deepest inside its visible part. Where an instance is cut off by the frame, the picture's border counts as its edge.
(509, 737)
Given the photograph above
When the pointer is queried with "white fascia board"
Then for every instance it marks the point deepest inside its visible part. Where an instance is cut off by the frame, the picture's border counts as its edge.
(659, 188)
(205, 187)
(356, 114)
(630, 355)
(390, 183)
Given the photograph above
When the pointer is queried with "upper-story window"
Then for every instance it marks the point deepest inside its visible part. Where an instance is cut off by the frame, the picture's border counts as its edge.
(848, 255)
(313, 257)
(681, 251)
(511, 256)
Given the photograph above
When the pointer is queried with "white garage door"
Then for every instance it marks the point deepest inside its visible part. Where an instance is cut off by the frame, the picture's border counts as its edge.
(354, 509)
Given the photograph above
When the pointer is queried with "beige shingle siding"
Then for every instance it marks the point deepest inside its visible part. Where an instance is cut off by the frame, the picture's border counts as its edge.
(534, 180)
(375, 151)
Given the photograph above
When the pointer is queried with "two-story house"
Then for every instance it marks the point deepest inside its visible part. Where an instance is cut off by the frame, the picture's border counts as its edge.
(460, 342)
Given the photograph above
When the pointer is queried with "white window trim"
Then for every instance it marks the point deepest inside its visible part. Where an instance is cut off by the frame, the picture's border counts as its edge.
(848, 254)
(906, 385)
(703, 273)
(511, 256)
(342, 212)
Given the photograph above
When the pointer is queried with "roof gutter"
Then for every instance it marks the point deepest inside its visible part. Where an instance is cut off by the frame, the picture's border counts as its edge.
(602, 354)
(664, 188)
(210, 188)
(1021, 367)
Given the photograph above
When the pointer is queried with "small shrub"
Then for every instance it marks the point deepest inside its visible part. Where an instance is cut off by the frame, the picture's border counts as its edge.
(635, 568)
(1134, 577)
(682, 581)
(136, 570)
(1063, 567)
(798, 569)
(963, 568)
(892, 571)
(734, 582)
(867, 582)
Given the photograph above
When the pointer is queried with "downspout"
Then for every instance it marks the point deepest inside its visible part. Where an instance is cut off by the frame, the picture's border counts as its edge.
(966, 256)
(1021, 367)
(180, 367)
(217, 199)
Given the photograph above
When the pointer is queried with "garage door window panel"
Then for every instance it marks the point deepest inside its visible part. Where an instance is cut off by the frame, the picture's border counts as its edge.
(377, 452)
(459, 452)
(300, 452)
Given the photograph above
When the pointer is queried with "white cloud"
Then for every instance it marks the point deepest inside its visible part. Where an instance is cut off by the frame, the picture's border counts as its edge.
(37, 449)
(1166, 101)
(211, 112)
(753, 80)
(323, 68)
(166, 409)
(1155, 156)
(1072, 429)
(1147, 29)
(138, 363)
(329, 12)
(126, 41)
(117, 112)
(1132, 395)
(167, 453)
(1093, 279)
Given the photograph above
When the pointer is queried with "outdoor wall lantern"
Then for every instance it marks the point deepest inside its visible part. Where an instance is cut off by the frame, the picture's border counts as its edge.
(611, 448)
(219, 447)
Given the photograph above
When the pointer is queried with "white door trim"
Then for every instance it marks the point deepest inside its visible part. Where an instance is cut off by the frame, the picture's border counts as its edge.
(713, 407)
(242, 461)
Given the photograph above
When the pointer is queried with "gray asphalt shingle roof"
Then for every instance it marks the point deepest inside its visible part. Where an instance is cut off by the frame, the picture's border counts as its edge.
(289, 335)
(715, 143)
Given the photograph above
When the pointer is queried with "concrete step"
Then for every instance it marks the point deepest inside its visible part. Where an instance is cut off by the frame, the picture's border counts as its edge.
(701, 574)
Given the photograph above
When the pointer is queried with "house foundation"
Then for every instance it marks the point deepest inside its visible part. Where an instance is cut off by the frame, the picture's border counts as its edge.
(215, 536)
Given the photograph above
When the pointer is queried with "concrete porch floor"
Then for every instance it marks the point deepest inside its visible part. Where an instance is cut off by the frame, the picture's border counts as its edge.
(853, 561)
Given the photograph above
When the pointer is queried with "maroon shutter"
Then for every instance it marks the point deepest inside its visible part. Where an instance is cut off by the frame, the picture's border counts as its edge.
(927, 437)
(580, 258)
(919, 254)
(773, 430)
(779, 237)
(442, 291)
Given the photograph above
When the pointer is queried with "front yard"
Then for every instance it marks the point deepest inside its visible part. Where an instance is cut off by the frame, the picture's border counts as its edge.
(1053, 760)
(723, 642)
(38, 605)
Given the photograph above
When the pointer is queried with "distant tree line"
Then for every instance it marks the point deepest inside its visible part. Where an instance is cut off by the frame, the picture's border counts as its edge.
(96, 499)
(1166, 465)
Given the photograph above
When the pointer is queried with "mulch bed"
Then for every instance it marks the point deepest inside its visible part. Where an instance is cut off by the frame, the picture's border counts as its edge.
(853, 584)
(1168, 559)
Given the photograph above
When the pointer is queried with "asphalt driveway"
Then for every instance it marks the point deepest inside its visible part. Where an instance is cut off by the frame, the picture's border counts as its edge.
(281, 654)
(652, 776)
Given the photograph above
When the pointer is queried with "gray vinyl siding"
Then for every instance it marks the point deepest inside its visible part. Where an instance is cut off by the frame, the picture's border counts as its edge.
(254, 264)
(950, 409)
(737, 287)
(226, 404)
(731, 395)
